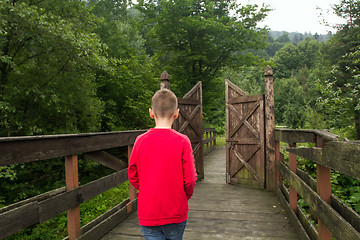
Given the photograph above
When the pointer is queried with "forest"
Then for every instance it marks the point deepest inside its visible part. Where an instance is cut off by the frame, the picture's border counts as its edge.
(93, 65)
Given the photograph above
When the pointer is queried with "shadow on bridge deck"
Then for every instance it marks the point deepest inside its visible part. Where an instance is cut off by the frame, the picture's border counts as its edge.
(220, 211)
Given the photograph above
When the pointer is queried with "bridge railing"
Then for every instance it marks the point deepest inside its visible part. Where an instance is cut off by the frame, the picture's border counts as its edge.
(335, 219)
(210, 140)
(36, 210)
(32, 211)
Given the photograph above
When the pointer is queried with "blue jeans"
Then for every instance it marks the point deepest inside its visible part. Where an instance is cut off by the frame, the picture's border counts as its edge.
(173, 231)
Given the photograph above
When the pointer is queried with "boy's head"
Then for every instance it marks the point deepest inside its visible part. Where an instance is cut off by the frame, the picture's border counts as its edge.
(164, 104)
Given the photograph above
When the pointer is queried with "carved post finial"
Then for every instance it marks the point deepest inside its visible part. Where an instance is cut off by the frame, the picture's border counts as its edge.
(268, 71)
(165, 80)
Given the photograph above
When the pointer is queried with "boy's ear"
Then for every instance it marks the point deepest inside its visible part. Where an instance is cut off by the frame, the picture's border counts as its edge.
(152, 115)
(176, 114)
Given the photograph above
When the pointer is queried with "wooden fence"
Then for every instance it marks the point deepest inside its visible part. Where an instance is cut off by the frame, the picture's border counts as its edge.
(210, 140)
(35, 210)
(335, 219)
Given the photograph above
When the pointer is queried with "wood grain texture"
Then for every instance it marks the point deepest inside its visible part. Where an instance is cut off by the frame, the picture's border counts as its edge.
(338, 226)
(190, 123)
(19, 218)
(219, 211)
(60, 203)
(344, 210)
(271, 169)
(15, 150)
(301, 231)
(245, 137)
(107, 160)
(302, 135)
(340, 156)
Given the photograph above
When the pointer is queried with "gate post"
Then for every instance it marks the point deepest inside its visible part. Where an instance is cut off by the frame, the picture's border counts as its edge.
(165, 80)
(270, 164)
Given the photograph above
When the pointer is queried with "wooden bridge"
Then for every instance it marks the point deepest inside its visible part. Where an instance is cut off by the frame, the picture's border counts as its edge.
(222, 206)
(217, 210)
(220, 211)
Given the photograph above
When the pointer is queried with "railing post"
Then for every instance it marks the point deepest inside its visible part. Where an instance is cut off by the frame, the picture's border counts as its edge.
(293, 168)
(207, 137)
(72, 181)
(270, 130)
(212, 141)
(132, 189)
(324, 190)
(214, 135)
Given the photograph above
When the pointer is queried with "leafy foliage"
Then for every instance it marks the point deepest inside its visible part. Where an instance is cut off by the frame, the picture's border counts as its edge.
(342, 86)
(48, 57)
(194, 40)
(289, 103)
(84, 66)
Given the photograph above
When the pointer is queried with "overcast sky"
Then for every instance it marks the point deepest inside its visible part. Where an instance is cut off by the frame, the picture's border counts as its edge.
(300, 15)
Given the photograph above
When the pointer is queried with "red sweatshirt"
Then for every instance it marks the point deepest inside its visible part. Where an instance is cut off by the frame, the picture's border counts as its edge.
(162, 168)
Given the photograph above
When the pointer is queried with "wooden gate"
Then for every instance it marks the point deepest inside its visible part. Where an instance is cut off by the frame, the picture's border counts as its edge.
(190, 124)
(189, 121)
(245, 156)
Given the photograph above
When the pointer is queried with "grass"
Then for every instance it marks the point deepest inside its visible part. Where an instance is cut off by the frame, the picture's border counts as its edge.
(220, 141)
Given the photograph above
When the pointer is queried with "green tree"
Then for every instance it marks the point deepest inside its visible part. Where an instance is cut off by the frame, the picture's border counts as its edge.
(127, 86)
(287, 61)
(273, 46)
(48, 55)
(290, 103)
(342, 87)
(193, 40)
(284, 38)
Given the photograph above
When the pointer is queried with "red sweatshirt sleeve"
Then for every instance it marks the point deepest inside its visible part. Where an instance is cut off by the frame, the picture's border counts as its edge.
(132, 169)
(189, 170)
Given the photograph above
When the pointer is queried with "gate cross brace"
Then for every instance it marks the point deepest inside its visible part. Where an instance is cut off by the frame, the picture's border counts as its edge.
(188, 121)
(243, 119)
(247, 165)
(197, 147)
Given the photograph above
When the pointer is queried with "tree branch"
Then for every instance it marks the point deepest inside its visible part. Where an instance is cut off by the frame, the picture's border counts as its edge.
(57, 73)
(33, 56)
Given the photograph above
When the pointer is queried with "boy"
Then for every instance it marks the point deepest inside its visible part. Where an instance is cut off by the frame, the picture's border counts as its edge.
(162, 168)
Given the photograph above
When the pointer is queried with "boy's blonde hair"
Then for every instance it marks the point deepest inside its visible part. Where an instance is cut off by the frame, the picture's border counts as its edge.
(164, 103)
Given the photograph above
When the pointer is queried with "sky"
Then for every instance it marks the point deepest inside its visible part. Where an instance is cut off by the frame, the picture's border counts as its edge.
(300, 15)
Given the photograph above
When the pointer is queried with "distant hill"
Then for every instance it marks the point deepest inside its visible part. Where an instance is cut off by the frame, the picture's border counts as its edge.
(296, 37)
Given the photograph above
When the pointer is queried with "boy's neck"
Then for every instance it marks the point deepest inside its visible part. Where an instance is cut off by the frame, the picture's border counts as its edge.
(163, 122)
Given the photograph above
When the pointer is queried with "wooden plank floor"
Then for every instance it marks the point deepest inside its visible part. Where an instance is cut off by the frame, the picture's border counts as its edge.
(221, 211)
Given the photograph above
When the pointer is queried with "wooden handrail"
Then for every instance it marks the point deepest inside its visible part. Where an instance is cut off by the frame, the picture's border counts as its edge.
(302, 135)
(334, 218)
(16, 150)
(35, 210)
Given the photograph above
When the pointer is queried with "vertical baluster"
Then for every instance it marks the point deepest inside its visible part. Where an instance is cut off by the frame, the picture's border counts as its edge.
(207, 137)
(324, 190)
(277, 160)
(72, 181)
(214, 135)
(210, 137)
(293, 168)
